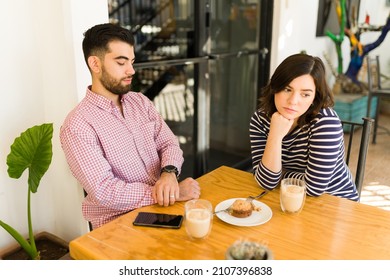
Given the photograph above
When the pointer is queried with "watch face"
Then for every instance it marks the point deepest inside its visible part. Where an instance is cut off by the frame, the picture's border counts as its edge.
(170, 169)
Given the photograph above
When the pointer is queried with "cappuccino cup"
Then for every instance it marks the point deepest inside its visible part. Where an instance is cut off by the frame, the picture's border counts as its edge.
(292, 195)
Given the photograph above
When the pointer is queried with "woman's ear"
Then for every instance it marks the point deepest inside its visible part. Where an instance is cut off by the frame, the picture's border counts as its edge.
(94, 64)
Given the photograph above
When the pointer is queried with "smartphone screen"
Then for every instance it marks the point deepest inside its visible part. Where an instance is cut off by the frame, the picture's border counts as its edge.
(158, 220)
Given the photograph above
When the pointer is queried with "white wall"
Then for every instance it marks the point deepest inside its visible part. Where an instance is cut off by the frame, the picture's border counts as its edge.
(295, 30)
(43, 77)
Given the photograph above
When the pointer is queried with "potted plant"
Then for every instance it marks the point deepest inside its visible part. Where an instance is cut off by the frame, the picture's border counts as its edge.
(32, 150)
(248, 250)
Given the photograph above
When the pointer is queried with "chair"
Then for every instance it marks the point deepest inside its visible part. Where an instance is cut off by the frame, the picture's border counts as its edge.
(375, 89)
(363, 148)
(89, 223)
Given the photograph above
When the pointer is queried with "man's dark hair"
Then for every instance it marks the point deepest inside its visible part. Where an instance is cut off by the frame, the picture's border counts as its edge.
(97, 38)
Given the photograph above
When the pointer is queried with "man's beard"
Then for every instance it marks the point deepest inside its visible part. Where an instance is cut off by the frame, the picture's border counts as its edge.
(113, 85)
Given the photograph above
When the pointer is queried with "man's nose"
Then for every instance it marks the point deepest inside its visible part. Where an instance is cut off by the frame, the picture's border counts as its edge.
(130, 70)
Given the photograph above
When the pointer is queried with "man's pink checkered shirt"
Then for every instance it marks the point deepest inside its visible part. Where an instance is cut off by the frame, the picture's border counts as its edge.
(117, 159)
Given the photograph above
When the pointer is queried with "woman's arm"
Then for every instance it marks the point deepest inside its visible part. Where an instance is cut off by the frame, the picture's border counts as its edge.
(264, 152)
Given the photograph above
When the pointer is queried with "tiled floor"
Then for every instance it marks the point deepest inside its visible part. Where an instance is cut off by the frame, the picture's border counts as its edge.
(376, 184)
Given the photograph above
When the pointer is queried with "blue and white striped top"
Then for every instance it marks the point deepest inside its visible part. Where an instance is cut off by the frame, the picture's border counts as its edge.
(314, 153)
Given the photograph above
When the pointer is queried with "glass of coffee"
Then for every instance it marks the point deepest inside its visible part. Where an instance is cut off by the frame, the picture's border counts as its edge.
(292, 195)
(198, 218)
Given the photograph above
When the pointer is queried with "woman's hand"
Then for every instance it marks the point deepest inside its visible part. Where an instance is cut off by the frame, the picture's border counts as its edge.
(280, 126)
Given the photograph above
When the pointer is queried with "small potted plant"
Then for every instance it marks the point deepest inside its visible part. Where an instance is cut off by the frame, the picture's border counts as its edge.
(248, 250)
(32, 150)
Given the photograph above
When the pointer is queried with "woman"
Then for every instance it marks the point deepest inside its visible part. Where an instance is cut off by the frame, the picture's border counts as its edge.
(296, 133)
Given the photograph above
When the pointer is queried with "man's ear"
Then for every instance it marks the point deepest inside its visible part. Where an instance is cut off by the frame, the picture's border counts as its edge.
(94, 64)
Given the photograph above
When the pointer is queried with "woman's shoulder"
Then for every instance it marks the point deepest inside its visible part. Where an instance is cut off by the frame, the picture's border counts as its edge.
(326, 118)
(260, 117)
(259, 114)
(327, 114)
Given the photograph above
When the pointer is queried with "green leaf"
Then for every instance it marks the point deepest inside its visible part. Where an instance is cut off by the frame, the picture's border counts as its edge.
(32, 150)
(31, 251)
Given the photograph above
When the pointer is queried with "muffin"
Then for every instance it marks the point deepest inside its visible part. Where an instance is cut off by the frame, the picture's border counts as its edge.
(241, 208)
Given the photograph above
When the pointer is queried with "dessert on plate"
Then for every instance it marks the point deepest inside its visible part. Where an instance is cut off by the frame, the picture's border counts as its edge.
(241, 208)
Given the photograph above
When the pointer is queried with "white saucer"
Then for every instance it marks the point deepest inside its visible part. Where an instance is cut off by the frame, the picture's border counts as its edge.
(257, 217)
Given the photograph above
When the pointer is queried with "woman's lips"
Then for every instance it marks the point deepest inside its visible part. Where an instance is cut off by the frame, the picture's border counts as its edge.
(288, 110)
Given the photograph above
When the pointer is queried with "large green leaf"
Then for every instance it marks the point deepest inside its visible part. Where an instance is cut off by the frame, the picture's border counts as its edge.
(32, 150)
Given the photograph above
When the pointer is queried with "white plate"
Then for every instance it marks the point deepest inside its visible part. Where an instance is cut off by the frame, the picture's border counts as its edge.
(257, 217)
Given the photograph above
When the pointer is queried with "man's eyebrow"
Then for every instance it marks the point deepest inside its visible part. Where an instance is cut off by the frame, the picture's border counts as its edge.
(122, 57)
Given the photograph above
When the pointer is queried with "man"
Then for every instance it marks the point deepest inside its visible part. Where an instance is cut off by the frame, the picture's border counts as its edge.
(116, 144)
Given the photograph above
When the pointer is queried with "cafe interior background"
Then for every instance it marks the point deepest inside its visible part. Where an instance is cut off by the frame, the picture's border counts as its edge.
(214, 65)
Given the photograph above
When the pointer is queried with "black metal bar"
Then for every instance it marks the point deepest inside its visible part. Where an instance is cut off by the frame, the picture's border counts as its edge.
(350, 140)
(170, 62)
(120, 6)
(201, 45)
(367, 124)
(149, 19)
(265, 42)
(89, 223)
(376, 119)
(235, 54)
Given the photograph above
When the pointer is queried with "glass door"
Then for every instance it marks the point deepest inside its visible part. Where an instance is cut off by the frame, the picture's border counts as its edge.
(198, 61)
(235, 52)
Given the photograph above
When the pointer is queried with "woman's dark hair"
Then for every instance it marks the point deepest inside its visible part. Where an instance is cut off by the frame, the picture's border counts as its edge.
(97, 38)
(292, 67)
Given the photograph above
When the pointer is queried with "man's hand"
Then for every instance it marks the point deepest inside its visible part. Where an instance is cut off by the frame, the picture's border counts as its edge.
(189, 189)
(166, 189)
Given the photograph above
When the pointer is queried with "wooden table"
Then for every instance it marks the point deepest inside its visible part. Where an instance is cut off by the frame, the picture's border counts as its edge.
(327, 228)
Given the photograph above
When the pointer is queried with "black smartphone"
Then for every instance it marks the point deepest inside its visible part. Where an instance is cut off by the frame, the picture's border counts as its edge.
(158, 220)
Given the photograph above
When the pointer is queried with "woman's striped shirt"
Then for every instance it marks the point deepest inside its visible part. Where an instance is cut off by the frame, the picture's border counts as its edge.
(314, 153)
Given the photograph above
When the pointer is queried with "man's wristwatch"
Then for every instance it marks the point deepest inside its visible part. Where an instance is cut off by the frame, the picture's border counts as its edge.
(170, 169)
